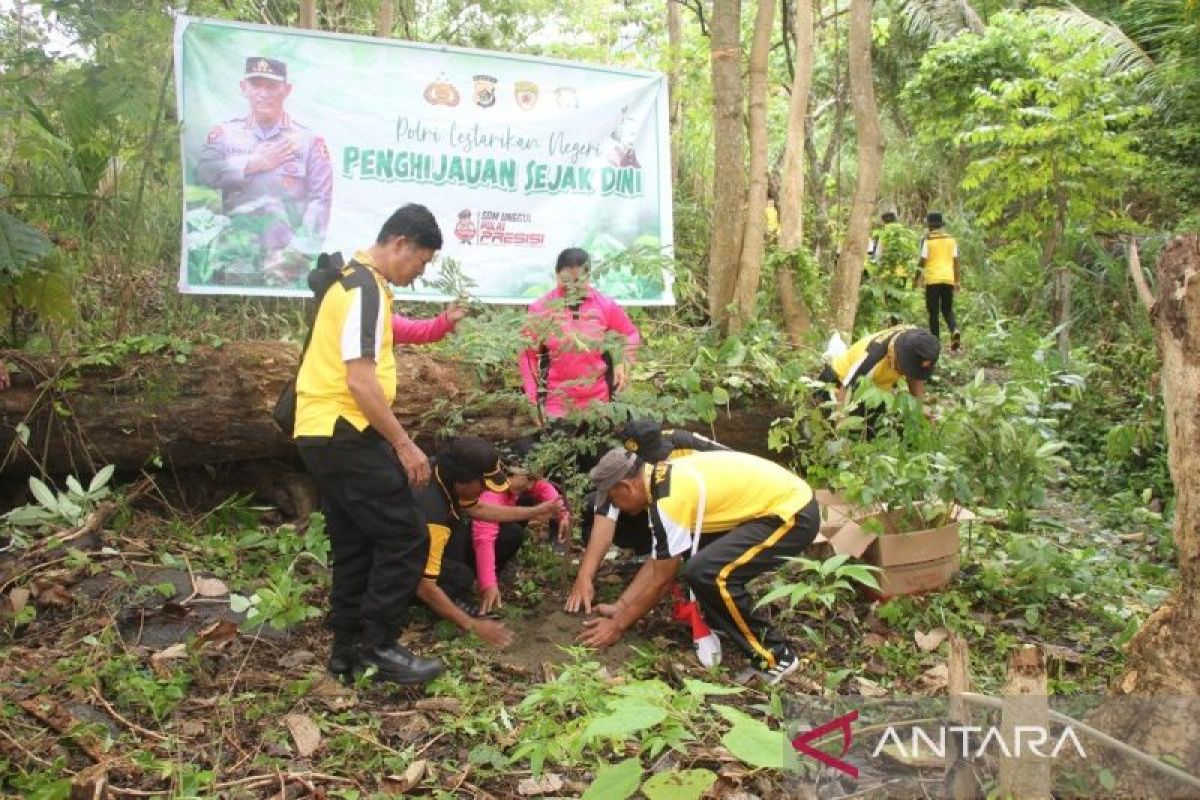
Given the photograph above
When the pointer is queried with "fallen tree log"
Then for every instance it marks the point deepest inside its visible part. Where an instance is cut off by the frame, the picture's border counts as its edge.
(213, 407)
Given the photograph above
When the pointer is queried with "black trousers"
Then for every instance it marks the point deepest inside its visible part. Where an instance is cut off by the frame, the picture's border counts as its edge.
(939, 297)
(458, 559)
(377, 536)
(720, 570)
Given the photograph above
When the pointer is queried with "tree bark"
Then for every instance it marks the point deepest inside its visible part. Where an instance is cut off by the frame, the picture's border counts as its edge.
(848, 272)
(215, 408)
(1139, 278)
(1164, 656)
(796, 316)
(729, 166)
(308, 14)
(1025, 775)
(750, 263)
(674, 42)
(386, 21)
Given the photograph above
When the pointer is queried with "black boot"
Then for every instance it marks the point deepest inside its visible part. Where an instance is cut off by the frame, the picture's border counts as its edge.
(398, 664)
(343, 656)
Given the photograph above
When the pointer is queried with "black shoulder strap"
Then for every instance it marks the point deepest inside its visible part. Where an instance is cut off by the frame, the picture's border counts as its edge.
(329, 267)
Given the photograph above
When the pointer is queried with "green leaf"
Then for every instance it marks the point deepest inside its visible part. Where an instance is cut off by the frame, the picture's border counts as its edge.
(625, 717)
(20, 244)
(703, 688)
(239, 604)
(73, 486)
(42, 493)
(688, 784)
(752, 742)
(1107, 780)
(101, 478)
(616, 781)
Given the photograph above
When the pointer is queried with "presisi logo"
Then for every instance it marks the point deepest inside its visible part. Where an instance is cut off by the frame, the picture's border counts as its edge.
(801, 743)
(495, 228)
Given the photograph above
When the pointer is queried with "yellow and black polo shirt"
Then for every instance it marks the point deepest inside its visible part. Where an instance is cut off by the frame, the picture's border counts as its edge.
(682, 443)
(354, 321)
(730, 488)
(874, 356)
(939, 250)
(443, 517)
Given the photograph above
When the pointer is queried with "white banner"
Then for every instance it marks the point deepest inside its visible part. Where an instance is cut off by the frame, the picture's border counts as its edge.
(296, 142)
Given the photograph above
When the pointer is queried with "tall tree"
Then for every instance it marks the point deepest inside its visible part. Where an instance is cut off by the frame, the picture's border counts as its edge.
(750, 263)
(796, 315)
(847, 273)
(729, 164)
(1164, 656)
(386, 20)
(674, 41)
(308, 14)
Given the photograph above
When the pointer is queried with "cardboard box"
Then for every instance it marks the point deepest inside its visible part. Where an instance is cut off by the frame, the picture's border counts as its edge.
(910, 563)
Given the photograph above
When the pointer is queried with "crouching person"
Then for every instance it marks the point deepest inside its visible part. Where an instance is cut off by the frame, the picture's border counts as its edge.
(495, 543)
(731, 517)
(604, 524)
(462, 471)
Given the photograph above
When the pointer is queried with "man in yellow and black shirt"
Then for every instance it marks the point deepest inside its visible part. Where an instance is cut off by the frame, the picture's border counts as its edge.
(732, 516)
(363, 462)
(605, 525)
(903, 351)
(942, 277)
(461, 471)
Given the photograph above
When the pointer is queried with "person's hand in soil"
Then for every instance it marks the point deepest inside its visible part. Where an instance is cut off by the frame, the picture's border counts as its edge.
(580, 597)
(494, 633)
(489, 600)
(606, 609)
(600, 632)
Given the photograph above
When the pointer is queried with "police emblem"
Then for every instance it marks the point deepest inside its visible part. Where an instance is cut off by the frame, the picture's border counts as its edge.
(485, 91)
(464, 231)
(566, 97)
(526, 94)
(631, 445)
(441, 93)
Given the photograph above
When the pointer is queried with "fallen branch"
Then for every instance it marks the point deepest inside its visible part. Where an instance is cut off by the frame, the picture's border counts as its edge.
(1139, 277)
(62, 722)
(263, 780)
(133, 726)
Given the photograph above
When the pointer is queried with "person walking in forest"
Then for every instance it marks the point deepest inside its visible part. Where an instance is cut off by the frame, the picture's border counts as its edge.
(570, 363)
(361, 459)
(942, 277)
(728, 517)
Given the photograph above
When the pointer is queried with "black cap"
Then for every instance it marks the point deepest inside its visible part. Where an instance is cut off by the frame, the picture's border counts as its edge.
(644, 437)
(889, 216)
(469, 458)
(270, 68)
(517, 454)
(917, 353)
(934, 219)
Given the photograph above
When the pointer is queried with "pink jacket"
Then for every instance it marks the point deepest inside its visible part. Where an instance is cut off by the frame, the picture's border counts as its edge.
(575, 342)
(406, 330)
(484, 534)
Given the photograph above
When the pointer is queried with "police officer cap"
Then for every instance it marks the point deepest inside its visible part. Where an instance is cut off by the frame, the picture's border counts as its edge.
(270, 68)
(615, 466)
(917, 353)
(644, 437)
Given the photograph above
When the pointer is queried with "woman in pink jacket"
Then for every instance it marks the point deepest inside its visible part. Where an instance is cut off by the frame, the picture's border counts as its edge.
(496, 543)
(566, 367)
(406, 330)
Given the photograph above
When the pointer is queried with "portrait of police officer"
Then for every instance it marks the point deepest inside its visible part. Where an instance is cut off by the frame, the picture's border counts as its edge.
(269, 164)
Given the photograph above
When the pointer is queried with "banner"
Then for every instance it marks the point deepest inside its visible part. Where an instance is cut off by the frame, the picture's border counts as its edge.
(296, 142)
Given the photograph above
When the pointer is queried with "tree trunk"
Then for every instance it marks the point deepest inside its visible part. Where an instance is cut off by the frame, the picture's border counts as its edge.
(1061, 281)
(308, 14)
(386, 21)
(750, 263)
(214, 408)
(848, 273)
(674, 42)
(729, 165)
(1164, 656)
(1139, 278)
(796, 316)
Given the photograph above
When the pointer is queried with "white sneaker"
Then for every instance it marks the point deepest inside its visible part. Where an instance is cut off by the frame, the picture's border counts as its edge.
(785, 665)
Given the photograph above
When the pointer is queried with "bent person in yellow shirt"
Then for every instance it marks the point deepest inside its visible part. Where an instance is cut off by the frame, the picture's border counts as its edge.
(728, 517)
